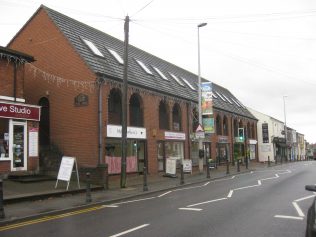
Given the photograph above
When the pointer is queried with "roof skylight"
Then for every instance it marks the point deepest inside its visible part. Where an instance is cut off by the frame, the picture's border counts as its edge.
(215, 96)
(176, 79)
(188, 83)
(93, 48)
(160, 73)
(116, 56)
(143, 66)
(227, 98)
(235, 102)
(220, 96)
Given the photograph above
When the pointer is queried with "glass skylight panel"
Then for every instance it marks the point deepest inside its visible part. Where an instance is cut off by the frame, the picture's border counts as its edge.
(93, 48)
(116, 56)
(220, 96)
(143, 66)
(215, 96)
(160, 73)
(227, 98)
(176, 79)
(241, 104)
(188, 83)
(235, 102)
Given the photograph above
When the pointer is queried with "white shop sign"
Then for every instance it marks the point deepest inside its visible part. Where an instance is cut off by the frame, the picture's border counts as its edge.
(132, 132)
(175, 136)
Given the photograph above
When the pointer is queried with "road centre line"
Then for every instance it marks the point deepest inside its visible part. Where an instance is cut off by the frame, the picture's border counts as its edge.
(164, 194)
(190, 209)
(289, 217)
(130, 230)
(49, 218)
(137, 200)
(210, 201)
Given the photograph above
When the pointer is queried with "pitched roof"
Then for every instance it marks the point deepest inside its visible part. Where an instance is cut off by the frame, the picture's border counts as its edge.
(97, 55)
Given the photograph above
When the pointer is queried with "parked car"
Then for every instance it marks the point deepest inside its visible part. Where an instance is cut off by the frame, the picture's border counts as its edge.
(311, 221)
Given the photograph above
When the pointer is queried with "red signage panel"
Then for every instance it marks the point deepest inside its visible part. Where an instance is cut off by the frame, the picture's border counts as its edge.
(20, 111)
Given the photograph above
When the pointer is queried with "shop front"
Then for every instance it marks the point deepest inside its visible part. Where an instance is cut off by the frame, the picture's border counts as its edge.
(222, 150)
(136, 157)
(18, 137)
(280, 147)
(252, 149)
(172, 147)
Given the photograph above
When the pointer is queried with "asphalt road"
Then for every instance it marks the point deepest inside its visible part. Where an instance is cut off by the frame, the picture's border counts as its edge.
(268, 202)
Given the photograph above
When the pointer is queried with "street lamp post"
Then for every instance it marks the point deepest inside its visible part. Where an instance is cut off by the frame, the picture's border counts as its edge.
(285, 129)
(199, 99)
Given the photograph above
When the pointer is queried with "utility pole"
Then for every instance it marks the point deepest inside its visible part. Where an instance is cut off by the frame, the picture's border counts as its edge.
(124, 105)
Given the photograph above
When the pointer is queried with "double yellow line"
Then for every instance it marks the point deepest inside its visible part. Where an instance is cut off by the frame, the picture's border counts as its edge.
(49, 218)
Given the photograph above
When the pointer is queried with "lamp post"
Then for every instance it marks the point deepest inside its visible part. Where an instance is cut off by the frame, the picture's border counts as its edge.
(199, 99)
(285, 129)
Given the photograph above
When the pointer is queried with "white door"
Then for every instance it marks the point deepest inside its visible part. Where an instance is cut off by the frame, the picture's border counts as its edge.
(18, 145)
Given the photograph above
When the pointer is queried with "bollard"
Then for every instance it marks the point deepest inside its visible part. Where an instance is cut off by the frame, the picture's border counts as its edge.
(238, 165)
(246, 162)
(145, 186)
(88, 190)
(182, 175)
(227, 166)
(106, 177)
(2, 215)
(269, 164)
(208, 169)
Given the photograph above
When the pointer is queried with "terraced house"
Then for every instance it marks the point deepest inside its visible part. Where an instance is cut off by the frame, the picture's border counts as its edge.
(78, 77)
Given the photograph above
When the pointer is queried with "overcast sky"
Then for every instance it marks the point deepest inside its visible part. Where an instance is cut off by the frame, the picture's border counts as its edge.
(259, 50)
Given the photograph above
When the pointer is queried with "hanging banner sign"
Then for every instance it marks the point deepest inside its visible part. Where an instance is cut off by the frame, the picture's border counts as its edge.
(206, 100)
(208, 124)
(20, 111)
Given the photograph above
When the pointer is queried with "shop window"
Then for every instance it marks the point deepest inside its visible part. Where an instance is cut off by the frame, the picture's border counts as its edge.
(218, 125)
(225, 126)
(163, 116)
(172, 150)
(135, 157)
(4, 138)
(44, 124)
(176, 118)
(136, 111)
(115, 107)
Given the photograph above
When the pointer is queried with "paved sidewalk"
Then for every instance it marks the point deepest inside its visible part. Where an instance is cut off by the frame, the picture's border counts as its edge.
(25, 200)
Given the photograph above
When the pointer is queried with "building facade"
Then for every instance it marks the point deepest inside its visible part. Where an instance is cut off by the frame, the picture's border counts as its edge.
(79, 79)
(19, 122)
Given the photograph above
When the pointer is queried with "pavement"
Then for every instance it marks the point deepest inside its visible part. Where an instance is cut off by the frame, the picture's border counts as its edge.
(26, 200)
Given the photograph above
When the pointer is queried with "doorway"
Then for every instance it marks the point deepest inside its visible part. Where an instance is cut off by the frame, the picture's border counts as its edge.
(18, 145)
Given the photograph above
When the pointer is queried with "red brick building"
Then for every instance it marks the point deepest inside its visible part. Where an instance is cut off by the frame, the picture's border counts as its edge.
(18, 121)
(78, 77)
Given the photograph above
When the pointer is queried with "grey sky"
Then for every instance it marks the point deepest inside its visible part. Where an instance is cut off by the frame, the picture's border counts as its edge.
(259, 50)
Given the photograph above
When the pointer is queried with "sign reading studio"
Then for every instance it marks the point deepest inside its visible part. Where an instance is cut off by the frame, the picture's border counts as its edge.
(19, 111)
